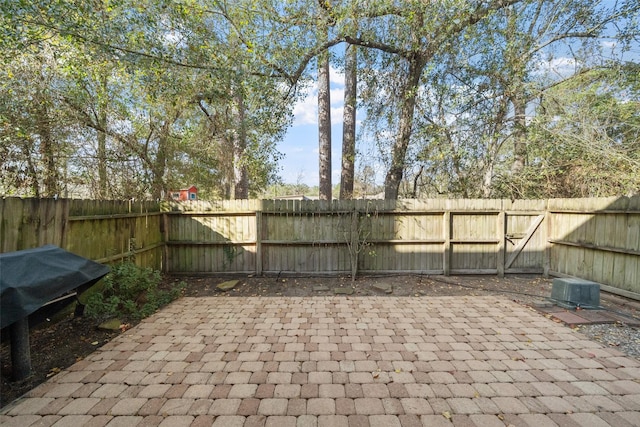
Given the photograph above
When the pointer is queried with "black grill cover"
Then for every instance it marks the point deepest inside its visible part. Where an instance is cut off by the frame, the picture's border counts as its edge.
(31, 278)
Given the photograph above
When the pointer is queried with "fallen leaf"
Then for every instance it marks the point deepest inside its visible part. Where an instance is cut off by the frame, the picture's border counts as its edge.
(53, 372)
(447, 415)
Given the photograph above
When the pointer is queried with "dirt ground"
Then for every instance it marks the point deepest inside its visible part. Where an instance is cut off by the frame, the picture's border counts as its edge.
(528, 287)
(54, 347)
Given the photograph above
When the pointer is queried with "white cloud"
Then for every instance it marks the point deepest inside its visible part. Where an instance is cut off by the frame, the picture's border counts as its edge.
(562, 66)
(337, 96)
(336, 115)
(305, 111)
(562, 62)
(336, 76)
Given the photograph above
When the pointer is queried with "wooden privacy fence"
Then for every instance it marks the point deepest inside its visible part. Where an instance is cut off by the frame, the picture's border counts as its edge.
(596, 239)
(104, 231)
(311, 237)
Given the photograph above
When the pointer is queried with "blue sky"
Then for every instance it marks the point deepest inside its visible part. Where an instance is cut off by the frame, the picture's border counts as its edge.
(300, 145)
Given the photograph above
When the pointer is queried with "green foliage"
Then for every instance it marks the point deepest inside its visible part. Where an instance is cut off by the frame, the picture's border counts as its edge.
(130, 293)
(584, 140)
(515, 114)
(129, 99)
(133, 99)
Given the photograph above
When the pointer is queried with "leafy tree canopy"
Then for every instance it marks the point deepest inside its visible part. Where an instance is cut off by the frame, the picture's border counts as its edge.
(471, 98)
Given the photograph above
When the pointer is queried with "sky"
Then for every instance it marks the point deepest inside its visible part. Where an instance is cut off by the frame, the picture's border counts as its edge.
(300, 145)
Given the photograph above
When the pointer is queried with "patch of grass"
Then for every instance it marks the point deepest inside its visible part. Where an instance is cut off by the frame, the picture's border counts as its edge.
(130, 293)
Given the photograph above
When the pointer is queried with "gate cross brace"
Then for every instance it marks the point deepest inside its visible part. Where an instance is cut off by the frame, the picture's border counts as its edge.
(530, 231)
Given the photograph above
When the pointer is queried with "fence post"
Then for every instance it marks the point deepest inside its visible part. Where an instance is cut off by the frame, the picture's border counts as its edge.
(354, 244)
(546, 262)
(501, 237)
(165, 240)
(446, 258)
(258, 243)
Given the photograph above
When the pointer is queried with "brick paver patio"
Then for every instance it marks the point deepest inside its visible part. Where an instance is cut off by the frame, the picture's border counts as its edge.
(340, 361)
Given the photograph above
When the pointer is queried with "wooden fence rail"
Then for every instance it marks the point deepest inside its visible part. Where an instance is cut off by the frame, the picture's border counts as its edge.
(596, 239)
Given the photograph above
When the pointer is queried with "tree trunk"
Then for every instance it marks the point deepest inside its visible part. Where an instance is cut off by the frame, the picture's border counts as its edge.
(51, 180)
(520, 137)
(487, 180)
(160, 166)
(416, 179)
(349, 123)
(324, 126)
(518, 100)
(32, 179)
(102, 140)
(102, 162)
(241, 178)
(409, 95)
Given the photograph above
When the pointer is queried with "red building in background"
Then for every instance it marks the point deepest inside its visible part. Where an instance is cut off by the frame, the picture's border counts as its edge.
(184, 194)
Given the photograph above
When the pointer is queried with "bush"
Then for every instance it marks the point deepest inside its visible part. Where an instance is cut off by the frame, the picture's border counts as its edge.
(130, 293)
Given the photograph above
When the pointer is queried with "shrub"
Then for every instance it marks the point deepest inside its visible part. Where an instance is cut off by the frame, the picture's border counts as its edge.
(130, 293)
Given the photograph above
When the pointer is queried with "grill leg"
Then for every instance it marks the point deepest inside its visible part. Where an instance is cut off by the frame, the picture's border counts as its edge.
(20, 351)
